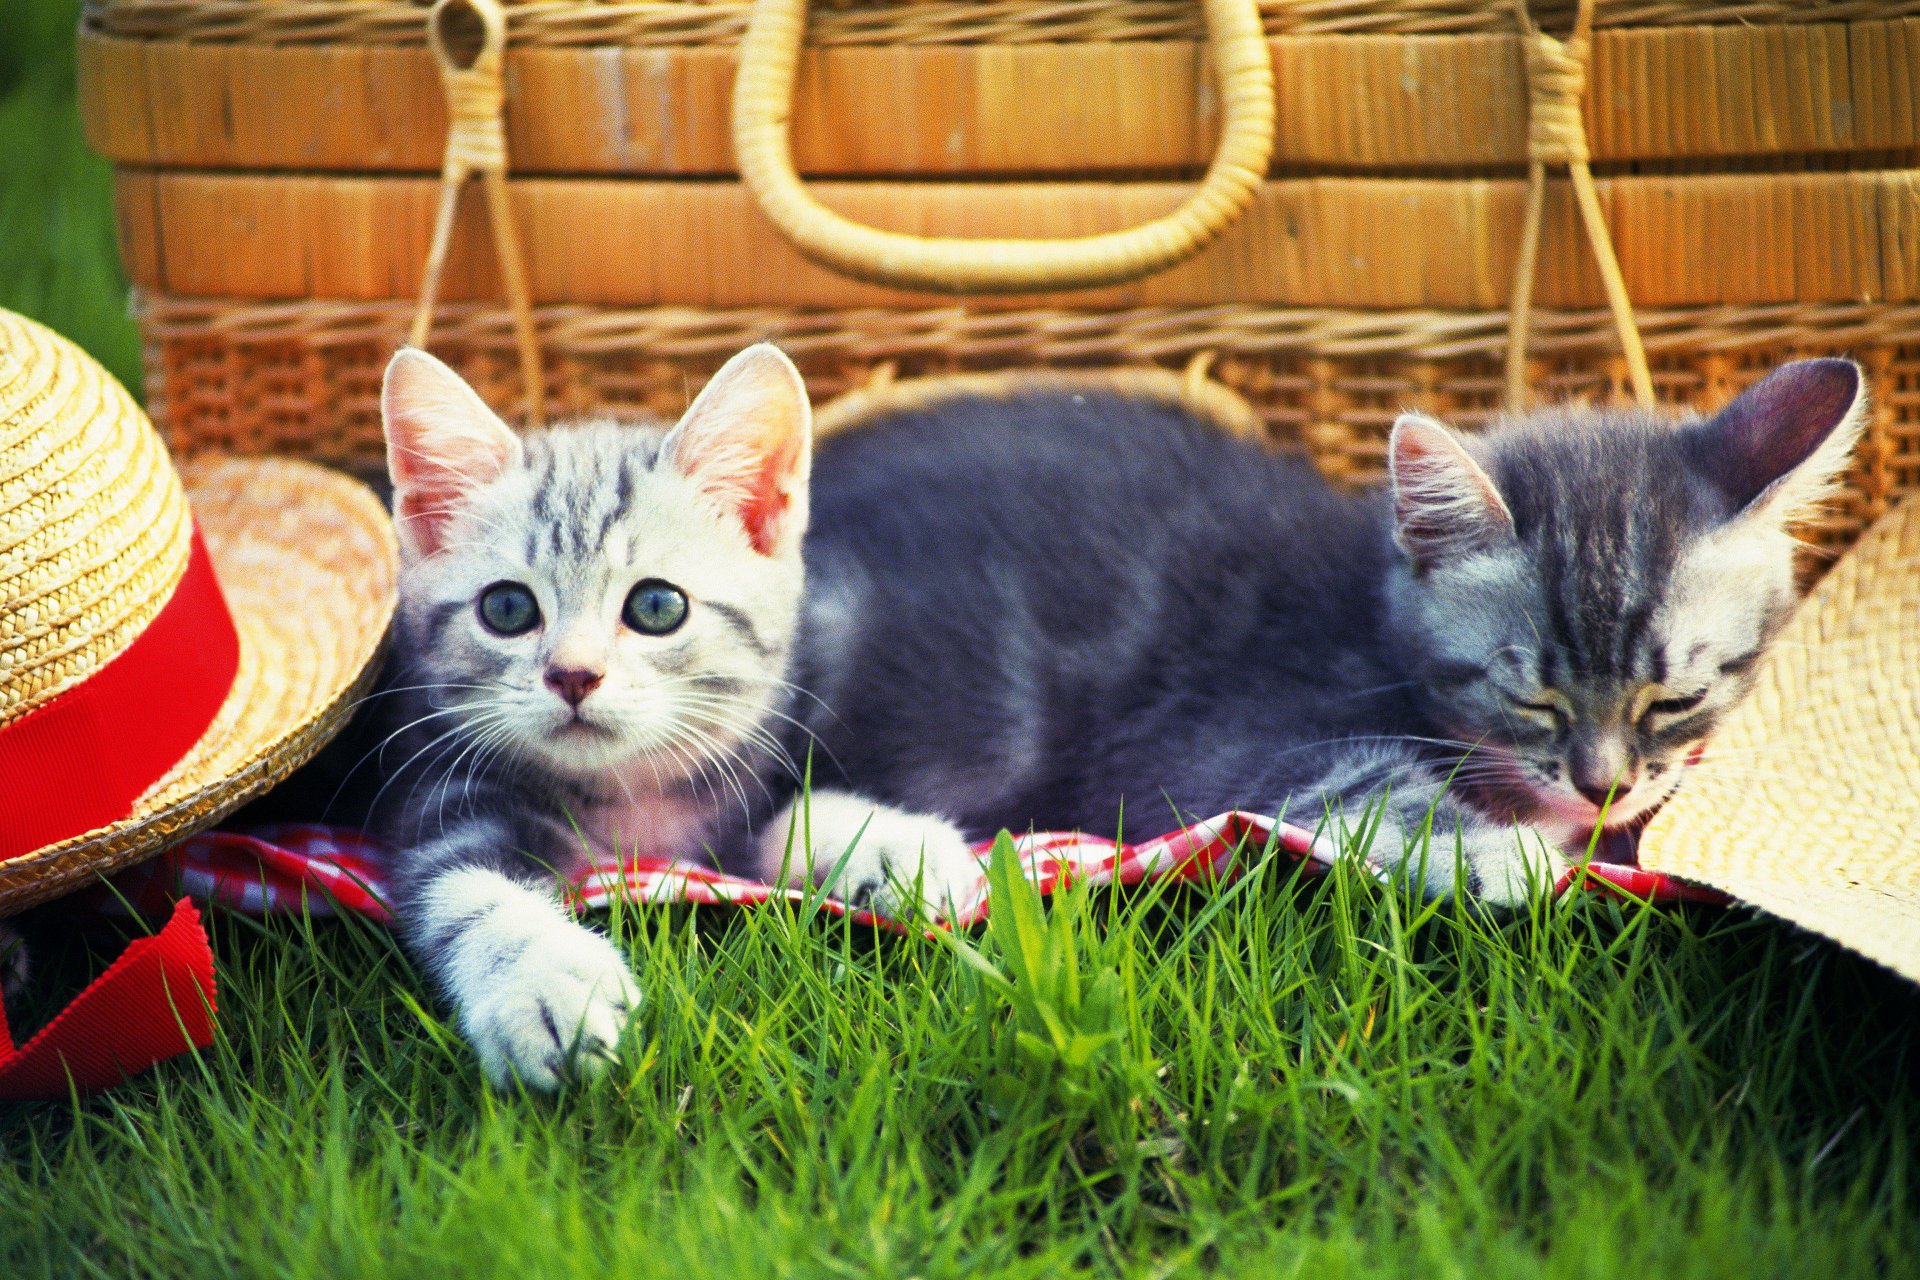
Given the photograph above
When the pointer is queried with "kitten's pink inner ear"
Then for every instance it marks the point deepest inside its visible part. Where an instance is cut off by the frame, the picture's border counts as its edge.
(442, 443)
(1444, 504)
(767, 508)
(746, 441)
(1781, 440)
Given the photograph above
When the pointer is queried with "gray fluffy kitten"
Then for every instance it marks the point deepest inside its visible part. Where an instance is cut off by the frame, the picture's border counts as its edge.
(594, 628)
(1047, 609)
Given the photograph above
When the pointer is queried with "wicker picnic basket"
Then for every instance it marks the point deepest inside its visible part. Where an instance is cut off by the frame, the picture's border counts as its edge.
(1339, 208)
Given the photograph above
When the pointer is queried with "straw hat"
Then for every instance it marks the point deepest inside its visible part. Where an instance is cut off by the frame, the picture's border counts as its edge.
(167, 649)
(1807, 803)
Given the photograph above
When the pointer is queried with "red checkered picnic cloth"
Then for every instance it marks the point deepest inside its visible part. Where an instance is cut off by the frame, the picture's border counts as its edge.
(330, 870)
(156, 1001)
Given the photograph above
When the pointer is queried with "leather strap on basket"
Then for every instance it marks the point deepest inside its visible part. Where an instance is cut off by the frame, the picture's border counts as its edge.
(1557, 134)
(469, 38)
(762, 144)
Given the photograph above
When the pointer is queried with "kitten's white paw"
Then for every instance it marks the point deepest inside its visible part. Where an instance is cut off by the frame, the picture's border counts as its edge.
(1507, 866)
(907, 866)
(899, 864)
(556, 1015)
(541, 998)
(1504, 866)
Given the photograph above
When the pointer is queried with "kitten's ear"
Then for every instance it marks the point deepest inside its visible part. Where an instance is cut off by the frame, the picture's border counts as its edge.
(1444, 505)
(442, 443)
(1780, 445)
(747, 441)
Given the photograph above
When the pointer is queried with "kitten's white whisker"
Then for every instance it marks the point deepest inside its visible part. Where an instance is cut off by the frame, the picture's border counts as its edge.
(500, 738)
(779, 683)
(746, 731)
(730, 764)
(401, 771)
(408, 688)
(1357, 739)
(484, 714)
(481, 737)
(463, 512)
(750, 713)
(687, 751)
(1379, 688)
(426, 773)
(723, 760)
(379, 750)
(475, 731)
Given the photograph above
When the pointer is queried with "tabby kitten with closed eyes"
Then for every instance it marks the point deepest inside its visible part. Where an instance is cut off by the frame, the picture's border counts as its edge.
(1049, 609)
(594, 629)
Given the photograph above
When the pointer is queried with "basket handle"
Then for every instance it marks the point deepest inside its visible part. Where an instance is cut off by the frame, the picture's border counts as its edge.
(762, 144)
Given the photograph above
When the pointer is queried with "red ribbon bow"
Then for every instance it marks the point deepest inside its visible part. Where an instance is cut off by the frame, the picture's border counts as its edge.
(155, 1001)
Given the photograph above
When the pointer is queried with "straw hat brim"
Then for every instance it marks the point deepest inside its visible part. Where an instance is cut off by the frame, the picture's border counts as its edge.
(1807, 803)
(307, 560)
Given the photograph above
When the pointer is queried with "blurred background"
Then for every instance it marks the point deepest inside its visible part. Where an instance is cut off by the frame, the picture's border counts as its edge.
(58, 260)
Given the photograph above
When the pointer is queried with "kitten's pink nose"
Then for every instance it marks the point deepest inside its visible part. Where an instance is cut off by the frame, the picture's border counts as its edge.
(1600, 792)
(573, 683)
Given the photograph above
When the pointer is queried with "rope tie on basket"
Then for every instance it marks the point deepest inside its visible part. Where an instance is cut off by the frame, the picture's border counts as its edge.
(468, 38)
(1556, 81)
(476, 131)
(1557, 135)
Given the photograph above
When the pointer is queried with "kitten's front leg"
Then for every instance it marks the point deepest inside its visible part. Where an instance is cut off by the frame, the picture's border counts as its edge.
(872, 855)
(541, 997)
(1394, 791)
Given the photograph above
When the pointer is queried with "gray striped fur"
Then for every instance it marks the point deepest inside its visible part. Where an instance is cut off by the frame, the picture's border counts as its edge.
(1049, 610)
(494, 786)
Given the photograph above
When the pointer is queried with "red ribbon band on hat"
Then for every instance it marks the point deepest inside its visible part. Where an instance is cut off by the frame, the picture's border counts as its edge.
(81, 761)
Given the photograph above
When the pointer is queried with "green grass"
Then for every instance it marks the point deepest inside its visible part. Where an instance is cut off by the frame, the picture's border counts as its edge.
(1273, 1079)
(58, 263)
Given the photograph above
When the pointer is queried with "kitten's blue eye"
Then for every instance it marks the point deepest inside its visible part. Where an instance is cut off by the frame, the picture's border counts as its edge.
(654, 607)
(508, 609)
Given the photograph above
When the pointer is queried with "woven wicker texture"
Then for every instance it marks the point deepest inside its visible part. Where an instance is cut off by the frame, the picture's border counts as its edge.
(1808, 107)
(305, 557)
(1344, 104)
(1354, 243)
(304, 377)
(892, 22)
(1808, 801)
(94, 529)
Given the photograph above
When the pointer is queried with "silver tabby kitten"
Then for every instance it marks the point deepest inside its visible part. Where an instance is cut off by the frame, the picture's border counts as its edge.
(1051, 609)
(594, 629)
